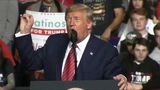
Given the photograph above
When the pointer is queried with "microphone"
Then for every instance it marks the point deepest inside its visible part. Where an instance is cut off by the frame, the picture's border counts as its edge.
(73, 36)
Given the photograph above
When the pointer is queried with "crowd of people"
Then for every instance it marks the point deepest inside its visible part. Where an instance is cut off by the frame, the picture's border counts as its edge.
(111, 40)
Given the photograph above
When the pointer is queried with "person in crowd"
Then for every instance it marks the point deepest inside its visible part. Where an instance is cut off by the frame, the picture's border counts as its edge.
(8, 20)
(7, 80)
(142, 72)
(41, 6)
(126, 45)
(153, 4)
(46, 6)
(26, 1)
(158, 10)
(136, 4)
(155, 54)
(127, 26)
(126, 50)
(24, 4)
(139, 21)
(8, 25)
(91, 52)
(107, 14)
(125, 4)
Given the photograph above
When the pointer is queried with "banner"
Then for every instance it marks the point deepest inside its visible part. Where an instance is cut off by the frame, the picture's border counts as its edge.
(45, 24)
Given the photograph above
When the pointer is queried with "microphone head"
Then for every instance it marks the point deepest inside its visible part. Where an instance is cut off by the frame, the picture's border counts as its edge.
(73, 36)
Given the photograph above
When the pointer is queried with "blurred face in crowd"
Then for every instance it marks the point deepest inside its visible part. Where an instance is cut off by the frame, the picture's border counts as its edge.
(137, 3)
(78, 21)
(157, 37)
(140, 52)
(138, 22)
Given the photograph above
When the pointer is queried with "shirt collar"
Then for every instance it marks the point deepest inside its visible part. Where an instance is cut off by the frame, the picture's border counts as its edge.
(145, 35)
(138, 63)
(81, 45)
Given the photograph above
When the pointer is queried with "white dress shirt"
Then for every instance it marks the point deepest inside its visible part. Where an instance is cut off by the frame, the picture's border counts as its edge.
(155, 55)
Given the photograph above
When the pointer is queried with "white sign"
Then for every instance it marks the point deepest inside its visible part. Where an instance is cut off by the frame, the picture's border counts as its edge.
(45, 24)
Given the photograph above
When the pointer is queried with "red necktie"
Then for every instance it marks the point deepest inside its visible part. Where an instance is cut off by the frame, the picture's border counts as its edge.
(69, 68)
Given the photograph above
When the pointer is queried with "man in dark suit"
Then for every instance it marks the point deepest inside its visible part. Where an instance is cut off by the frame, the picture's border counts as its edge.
(96, 59)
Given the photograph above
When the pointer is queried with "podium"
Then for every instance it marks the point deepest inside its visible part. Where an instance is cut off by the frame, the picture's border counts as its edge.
(75, 85)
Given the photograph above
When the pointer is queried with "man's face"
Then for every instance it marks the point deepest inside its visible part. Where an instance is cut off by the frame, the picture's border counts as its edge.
(157, 37)
(140, 52)
(138, 22)
(79, 22)
(137, 4)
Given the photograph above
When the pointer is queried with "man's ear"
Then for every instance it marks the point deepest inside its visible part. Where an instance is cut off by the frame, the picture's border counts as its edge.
(89, 25)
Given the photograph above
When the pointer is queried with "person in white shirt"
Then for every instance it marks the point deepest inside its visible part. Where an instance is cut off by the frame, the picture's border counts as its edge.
(155, 54)
(138, 19)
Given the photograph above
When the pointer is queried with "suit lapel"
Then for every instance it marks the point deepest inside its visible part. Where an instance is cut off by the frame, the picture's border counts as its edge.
(87, 56)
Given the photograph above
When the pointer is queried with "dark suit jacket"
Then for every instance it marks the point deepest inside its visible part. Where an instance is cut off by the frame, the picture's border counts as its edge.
(99, 60)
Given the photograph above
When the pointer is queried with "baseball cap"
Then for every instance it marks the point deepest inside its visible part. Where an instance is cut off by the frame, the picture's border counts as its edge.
(131, 36)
